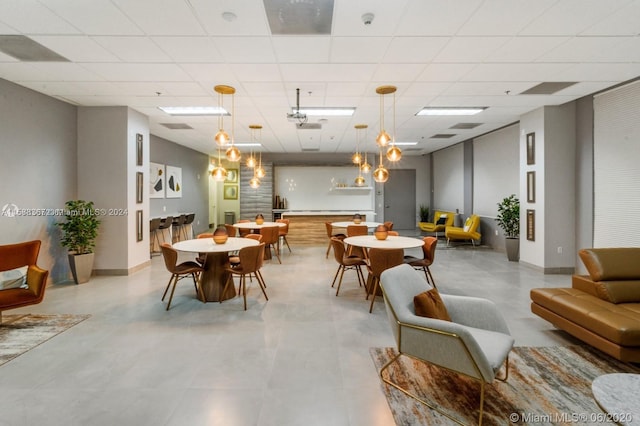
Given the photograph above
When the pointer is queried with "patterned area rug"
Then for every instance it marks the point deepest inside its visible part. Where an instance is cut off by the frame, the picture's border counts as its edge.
(546, 385)
(21, 333)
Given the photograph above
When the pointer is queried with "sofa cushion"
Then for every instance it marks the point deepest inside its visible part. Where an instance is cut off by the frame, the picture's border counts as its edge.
(429, 304)
(612, 264)
(14, 278)
(619, 323)
(623, 291)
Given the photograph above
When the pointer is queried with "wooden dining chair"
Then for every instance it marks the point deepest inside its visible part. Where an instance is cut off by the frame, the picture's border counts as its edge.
(270, 236)
(379, 261)
(179, 271)
(346, 262)
(284, 231)
(429, 255)
(234, 259)
(354, 231)
(244, 232)
(330, 235)
(231, 230)
(389, 225)
(250, 263)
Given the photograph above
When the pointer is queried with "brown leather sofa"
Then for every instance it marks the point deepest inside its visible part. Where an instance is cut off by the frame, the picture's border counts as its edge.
(602, 308)
(14, 256)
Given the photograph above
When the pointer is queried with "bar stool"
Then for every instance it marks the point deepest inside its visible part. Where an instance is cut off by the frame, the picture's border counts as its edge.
(154, 224)
(165, 223)
(176, 228)
(187, 226)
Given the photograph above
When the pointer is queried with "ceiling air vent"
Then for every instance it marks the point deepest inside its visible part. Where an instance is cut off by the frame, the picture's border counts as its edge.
(24, 49)
(308, 126)
(177, 126)
(465, 126)
(442, 136)
(309, 17)
(548, 88)
(310, 149)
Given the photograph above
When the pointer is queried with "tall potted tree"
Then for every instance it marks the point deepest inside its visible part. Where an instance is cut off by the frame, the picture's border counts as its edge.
(509, 220)
(79, 232)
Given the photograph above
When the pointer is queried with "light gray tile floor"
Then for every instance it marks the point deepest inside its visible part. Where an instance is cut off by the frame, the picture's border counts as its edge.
(302, 358)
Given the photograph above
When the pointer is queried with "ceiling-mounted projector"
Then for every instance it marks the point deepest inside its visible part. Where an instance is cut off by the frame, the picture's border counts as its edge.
(297, 116)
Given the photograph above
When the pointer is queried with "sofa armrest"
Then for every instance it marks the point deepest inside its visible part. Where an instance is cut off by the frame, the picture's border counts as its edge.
(475, 312)
(37, 280)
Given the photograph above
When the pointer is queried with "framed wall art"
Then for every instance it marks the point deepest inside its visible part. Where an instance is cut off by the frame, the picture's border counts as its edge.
(531, 225)
(230, 192)
(139, 147)
(531, 187)
(139, 225)
(531, 148)
(174, 182)
(156, 180)
(232, 176)
(139, 180)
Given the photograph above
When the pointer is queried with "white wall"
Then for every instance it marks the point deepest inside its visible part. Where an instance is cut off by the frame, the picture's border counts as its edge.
(496, 169)
(37, 170)
(448, 179)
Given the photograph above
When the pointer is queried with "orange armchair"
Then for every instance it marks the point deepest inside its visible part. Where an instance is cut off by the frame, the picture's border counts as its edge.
(468, 232)
(14, 256)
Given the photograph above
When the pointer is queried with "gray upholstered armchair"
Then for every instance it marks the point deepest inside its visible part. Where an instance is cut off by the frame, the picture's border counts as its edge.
(475, 343)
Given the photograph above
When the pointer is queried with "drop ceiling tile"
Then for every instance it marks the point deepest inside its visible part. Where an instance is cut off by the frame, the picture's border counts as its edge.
(396, 72)
(264, 89)
(6, 29)
(189, 49)
(600, 72)
(470, 49)
(301, 49)
(358, 49)
(6, 58)
(487, 88)
(409, 50)
(251, 18)
(516, 72)
(426, 89)
(183, 89)
(503, 17)
(583, 15)
(445, 72)
(327, 72)
(209, 72)
(354, 89)
(138, 72)
(347, 17)
(64, 71)
(435, 18)
(133, 49)
(32, 17)
(525, 49)
(77, 48)
(623, 22)
(97, 17)
(257, 72)
(581, 49)
(627, 50)
(245, 50)
(173, 17)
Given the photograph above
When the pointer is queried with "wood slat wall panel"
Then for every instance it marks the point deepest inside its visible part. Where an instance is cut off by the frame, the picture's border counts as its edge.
(254, 201)
(311, 230)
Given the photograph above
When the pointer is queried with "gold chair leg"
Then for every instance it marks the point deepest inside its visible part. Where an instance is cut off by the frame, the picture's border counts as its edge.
(429, 404)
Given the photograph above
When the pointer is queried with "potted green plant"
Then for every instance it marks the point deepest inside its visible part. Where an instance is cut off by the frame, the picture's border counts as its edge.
(424, 213)
(79, 233)
(509, 220)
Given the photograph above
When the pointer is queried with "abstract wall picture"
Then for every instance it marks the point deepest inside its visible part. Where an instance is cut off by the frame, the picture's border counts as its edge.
(230, 192)
(139, 193)
(139, 149)
(232, 176)
(139, 226)
(531, 148)
(173, 182)
(531, 225)
(156, 180)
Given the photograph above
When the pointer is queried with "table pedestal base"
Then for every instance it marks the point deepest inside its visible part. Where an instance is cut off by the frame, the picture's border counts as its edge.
(214, 278)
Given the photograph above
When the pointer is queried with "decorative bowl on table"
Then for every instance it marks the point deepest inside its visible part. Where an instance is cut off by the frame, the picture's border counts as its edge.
(357, 219)
(381, 232)
(220, 236)
(259, 219)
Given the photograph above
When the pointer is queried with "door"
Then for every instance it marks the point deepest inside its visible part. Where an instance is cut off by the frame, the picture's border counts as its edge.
(400, 199)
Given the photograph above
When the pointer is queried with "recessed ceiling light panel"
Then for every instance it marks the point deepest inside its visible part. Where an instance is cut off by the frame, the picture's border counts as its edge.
(450, 110)
(195, 110)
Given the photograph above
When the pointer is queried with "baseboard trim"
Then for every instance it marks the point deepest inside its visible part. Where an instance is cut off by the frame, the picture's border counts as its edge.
(121, 272)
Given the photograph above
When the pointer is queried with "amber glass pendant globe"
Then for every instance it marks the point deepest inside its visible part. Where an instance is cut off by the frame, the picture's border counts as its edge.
(260, 173)
(219, 173)
(383, 138)
(251, 162)
(359, 181)
(394, 153)
(380, 174)
(254, 183)
(221, 138)
(365, 167)
(233, 154)
(356, 158)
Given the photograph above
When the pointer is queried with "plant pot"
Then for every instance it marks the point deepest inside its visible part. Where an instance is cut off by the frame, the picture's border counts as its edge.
(81, 267)
(513, 249)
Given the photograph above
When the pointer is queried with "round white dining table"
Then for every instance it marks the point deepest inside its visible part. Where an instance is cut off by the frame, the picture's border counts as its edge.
(392, 242)
(214, 277)
(369, 225)
(254, 225)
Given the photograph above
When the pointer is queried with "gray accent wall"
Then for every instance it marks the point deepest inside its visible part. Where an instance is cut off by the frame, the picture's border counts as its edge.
(195, 182)
(584, 178)
(37, 169)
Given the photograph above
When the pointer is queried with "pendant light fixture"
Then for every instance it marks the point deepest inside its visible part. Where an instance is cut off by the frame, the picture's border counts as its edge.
(254, 182)
(359, 179)
(222, 137)
(383, 138)
(259, 171)
(365, 167)
(251, 159)
(380, 174)
(219, 173)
